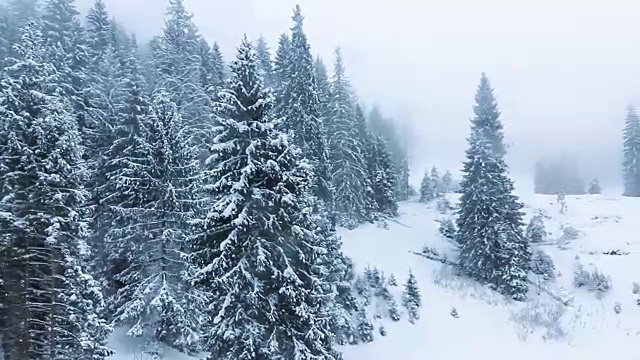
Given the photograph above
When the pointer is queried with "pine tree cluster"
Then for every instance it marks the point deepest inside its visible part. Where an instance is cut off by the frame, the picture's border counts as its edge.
(190, 201)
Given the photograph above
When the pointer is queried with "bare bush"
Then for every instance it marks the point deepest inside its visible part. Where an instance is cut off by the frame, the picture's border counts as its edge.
(545, 316)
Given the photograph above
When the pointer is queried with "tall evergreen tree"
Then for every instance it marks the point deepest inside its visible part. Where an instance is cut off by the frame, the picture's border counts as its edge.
(324, 93)
(49, 303)
(411, 298)
(150, 193)
(258, 257)
(122, 110)
(447, 181)
(348, 168)
(384, 181)
(280, 66)
(631, 153)
(301, 109)
(211, 70)
(105, 76)
(100, 31)
(436, 181)
(426, 188)
(5, 37)
(67, 50)
(386, 129)
(265, 64)
(493, 247)
(178, 65)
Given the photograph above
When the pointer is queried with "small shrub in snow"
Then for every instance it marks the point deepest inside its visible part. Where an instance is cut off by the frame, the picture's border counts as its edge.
(635, 288)
(363, 290)
(443, 205)
(569, 232)
(592, 281)
(535, 231)
(392, 280)
(562, 201)
(447, 228)
(382, 224)
(542, 264)
(374, 277)
(536, 315)
(594, 187)
(617, 308)
(365, 328)
(382, 330)
(411, 298)
(392, 309)
(454, 313)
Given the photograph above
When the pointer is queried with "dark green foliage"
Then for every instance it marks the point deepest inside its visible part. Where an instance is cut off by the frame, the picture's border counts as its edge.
(493, 249)
(411, 298)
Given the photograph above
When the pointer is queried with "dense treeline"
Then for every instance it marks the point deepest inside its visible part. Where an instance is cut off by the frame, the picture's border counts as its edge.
(191, 201)
(553, 176)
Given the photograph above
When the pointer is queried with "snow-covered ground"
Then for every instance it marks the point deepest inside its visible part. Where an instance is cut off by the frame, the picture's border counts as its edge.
(489, 326)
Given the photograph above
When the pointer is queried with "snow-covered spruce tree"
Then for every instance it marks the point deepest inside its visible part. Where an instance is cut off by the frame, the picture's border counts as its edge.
(300, 109)
(411, 298)
(212, 70)
(369, 150)
(67, 50)
(348, 169)
(402, 175)
(631, 153)
(5, 37)
(324, 93)
(280, 66)
(436, 182)
(384, 180)
(265, 64)
(17, 13)
(155, 299)
(177, 64)
(447, 181)
(594, 187)
(258, 257)
(385, 128)
(535, 231)
(493, 247)
(50, 304)
(426, 188)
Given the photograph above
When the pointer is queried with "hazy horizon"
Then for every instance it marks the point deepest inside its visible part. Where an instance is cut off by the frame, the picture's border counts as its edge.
(563, 71)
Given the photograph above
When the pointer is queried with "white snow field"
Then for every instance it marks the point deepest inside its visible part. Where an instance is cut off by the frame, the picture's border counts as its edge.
(489, 326)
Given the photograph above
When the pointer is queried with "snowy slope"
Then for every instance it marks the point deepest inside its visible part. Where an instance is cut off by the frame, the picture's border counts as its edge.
(488, 325)
(486, 322)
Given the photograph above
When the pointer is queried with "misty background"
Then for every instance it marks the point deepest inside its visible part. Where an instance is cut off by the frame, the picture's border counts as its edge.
(563, 71)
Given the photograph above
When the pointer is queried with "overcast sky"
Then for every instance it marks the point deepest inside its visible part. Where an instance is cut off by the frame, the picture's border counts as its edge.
(563, 70)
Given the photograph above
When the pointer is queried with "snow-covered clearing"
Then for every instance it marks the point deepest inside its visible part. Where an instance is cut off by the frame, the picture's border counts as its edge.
(488, 326)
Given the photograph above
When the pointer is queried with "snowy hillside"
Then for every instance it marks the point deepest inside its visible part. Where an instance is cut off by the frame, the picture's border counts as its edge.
(487, 323)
